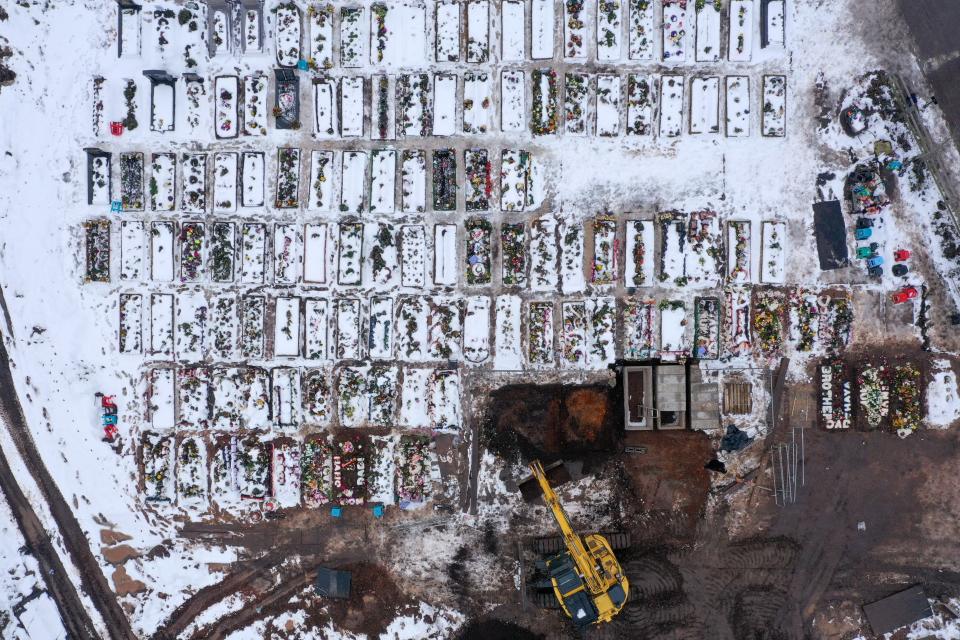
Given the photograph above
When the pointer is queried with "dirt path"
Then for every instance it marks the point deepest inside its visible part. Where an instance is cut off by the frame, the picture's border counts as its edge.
(91, 577)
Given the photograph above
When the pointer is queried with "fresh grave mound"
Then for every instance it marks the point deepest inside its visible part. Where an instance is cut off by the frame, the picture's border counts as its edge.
(550, 420)
(497, 630)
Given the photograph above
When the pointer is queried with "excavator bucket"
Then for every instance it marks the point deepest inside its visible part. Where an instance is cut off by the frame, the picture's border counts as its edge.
(557, 474)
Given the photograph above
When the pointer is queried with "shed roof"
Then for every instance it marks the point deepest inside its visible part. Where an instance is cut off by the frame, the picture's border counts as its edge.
(899, 610)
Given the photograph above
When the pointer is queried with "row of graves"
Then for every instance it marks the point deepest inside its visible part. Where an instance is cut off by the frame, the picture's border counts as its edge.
(195, 472)
(319, 36)
(389, 107)
(871, 395)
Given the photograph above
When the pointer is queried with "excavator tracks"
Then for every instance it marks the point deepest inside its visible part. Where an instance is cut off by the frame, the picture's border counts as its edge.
(552, 545)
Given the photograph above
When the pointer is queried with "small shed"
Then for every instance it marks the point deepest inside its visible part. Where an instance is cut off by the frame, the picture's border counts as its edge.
(333, 584)
(671, 393)
(898, 610)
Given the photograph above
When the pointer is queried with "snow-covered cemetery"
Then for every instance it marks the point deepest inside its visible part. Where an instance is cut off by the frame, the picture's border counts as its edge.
(479, 319)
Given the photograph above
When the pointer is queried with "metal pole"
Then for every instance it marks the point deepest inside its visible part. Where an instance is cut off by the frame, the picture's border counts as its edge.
(782, 481)
(803, 461)
(773, 472)
(794, 447)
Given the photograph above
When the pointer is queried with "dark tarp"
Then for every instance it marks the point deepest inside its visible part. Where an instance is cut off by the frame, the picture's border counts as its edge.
(899, 610)
(333, 584)
(734, 440)
(831, 235)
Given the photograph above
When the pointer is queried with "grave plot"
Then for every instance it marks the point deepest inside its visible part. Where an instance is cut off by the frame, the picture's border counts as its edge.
(412, 329)
(412, 470)
(605, 250)
(162, 389)
(673, 320)
(444, 180)
(353, 404)
(252, 41)
(384, 123)
(543, 255)
(478, 251)
(543, 110)
(705, 105)
(97, 250)
(253, 252)
(574, 30)
(638, 329)
(572, 278)
(226, 90)
(223, 474)
(383, 180)
(225, 327)
(542, 14)
(352, 37)
(708, 30)
(100, 179)
(163, 182)
(906, 408)
(192, 472)
(130, 33)
(675, 30)
(478, 31)
(191, 314)
(576, 101)
(445, 254)
(193, 398)
(639, 106)
(608, 30)
(773, 250)
(414, 111)
(286, 333)
(702, 267)
(737, 319)
(671, 106)
(326, 123)
(382, 393)
(223, 251)
(317, 397)
(805, 318)
(444, 104)
(350, 471)
(873, 384)
(414, 396)
(412, 256)
(774, 116)
(573, 339)
(256, 395)
(252, 468)
(161, 251)
(163, 109)
(253, 311)
(513, 27)
(601, 345)
(228, 400)
(161, 324)
(769, 321)
(349, 260)
(413, 181)
(131, 181)
(315, 254)
(317, 324)
(514, 179)
(286, 254)
(398, 34)
(445, 332)
(540, 343)
(741, 31)
(348, 329)
(738, 106)
(513, 251)
(285, 400)
(381, 266)
(444, 401)
(287, 34)
(608, 105)
(224, 182)
(353, 182)
(673, 238)
(288, 178)
(131, 250)
(351, 107)
(321, 181)
(196, 116)
(320, 23)
(131, 323)
(479, 184)
(192, 251)
(285, 479)
(776, 35)
(837, 321)
(316, 472)
(738, 251)
(641, 29)
(380, 333)
(476, 330)
(507, 346)
(158, 459)
(477, 103)
(836, 395)
(383, 470)
(638, 271)
(706, 329)
(252, 179)
(194, 171)
(513, 100)
(447, 30)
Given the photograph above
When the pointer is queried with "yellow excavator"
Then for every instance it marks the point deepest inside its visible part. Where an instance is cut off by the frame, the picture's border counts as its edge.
(586, 578)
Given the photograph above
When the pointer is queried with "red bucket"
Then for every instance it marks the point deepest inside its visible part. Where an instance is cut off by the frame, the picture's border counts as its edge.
(116, 128)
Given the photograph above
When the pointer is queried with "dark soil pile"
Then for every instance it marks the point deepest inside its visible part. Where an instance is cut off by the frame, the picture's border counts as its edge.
(497, 630)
